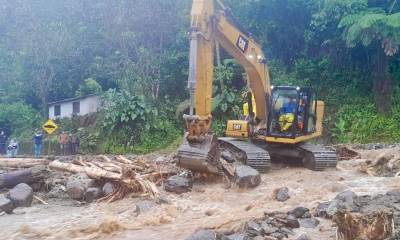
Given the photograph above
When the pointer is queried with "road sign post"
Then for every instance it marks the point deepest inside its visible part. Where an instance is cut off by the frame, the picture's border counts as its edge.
(49, 127)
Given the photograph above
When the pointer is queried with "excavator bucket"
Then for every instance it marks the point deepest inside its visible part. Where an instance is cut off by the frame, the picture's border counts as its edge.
(200, 156)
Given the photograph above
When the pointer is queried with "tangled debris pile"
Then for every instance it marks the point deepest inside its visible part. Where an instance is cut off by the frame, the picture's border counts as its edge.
(127, 176)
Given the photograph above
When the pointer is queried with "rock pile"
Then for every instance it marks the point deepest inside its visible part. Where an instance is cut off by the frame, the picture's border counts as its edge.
(273, 226)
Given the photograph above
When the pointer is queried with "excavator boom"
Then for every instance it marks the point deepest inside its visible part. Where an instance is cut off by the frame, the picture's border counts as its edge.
(210, 24)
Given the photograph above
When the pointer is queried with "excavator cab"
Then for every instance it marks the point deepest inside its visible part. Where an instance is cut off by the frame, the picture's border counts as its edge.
(293, 112)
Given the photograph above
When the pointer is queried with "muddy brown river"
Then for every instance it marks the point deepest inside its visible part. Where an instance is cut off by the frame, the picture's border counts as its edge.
(209, 205)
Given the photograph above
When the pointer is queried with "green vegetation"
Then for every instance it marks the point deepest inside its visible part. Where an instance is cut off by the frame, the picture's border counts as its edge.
(346, 49)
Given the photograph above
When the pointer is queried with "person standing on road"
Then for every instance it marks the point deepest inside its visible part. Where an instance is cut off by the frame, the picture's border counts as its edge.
(75, 144)
(3, 143)
(63, 140)
(38, 139)
(12, 149)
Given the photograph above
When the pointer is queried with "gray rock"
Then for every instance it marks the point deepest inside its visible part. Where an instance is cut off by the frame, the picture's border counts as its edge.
(282, 194)
(343, 201)
(322, 210)
(178, 184)
(77, 185)
(238, 237)
(247, 177)
(108, 188)
(144, 206)
(92, 194)
(268, 228)
(253, 229)
(227, 155)
(303, 237)
(203, 235)
(298, 212)
(306, 215)
(292, 223)
(346, 196)
(309, 222)
(21, 195)
(6, 205)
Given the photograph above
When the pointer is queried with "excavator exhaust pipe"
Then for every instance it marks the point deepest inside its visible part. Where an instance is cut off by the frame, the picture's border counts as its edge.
(200, 156)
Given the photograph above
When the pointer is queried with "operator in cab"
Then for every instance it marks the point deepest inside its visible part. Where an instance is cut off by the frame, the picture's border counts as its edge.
(286, 117)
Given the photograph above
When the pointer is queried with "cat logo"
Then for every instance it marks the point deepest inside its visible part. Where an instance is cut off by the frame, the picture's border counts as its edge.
(237, 127)
(242, 43)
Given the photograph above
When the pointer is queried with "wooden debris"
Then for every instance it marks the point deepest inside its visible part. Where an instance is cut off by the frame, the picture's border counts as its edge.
(129, 176)
(22, 162)
(378, 225)
(40, 200)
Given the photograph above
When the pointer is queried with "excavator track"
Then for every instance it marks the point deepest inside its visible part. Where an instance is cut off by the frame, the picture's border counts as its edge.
(247, 153)
(317, 158)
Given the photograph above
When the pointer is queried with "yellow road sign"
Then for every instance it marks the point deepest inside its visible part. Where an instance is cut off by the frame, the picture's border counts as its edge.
(50, 126)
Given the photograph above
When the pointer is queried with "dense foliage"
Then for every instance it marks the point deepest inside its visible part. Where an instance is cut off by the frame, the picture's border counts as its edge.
(346, 49)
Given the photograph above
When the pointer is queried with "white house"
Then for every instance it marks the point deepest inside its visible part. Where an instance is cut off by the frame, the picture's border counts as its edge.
(78, 106)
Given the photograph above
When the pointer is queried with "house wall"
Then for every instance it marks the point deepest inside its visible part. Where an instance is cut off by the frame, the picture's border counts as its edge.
(87, 105)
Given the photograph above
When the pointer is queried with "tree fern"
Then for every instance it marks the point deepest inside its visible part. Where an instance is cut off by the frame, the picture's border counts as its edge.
(369, 20)
(393, 20)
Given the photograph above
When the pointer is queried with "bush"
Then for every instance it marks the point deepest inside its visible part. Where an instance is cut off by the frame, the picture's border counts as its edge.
(129, 124)
(363, 124)
(19, 119)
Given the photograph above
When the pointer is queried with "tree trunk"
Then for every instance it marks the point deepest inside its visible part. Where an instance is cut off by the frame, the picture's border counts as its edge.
(22, 162)
(31, 175)
(383, 83)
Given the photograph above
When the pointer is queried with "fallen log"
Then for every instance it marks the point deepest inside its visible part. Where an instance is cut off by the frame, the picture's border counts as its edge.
(31, 175)
(22, 162)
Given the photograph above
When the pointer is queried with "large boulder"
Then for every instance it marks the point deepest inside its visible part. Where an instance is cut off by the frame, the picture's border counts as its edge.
(6, 205)
(21, 195)
(178, 184)
(342, 202)
(299, 212)
(77, 185)
(247, 177)
(281, 194)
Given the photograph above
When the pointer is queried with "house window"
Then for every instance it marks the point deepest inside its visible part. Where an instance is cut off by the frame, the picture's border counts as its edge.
(76, 107)
(57, 110)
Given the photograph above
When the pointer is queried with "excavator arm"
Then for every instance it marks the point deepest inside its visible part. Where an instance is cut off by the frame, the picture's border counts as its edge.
(210, 25)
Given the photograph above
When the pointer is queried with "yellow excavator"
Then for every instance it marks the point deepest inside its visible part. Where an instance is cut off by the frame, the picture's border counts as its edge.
(278, 121)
